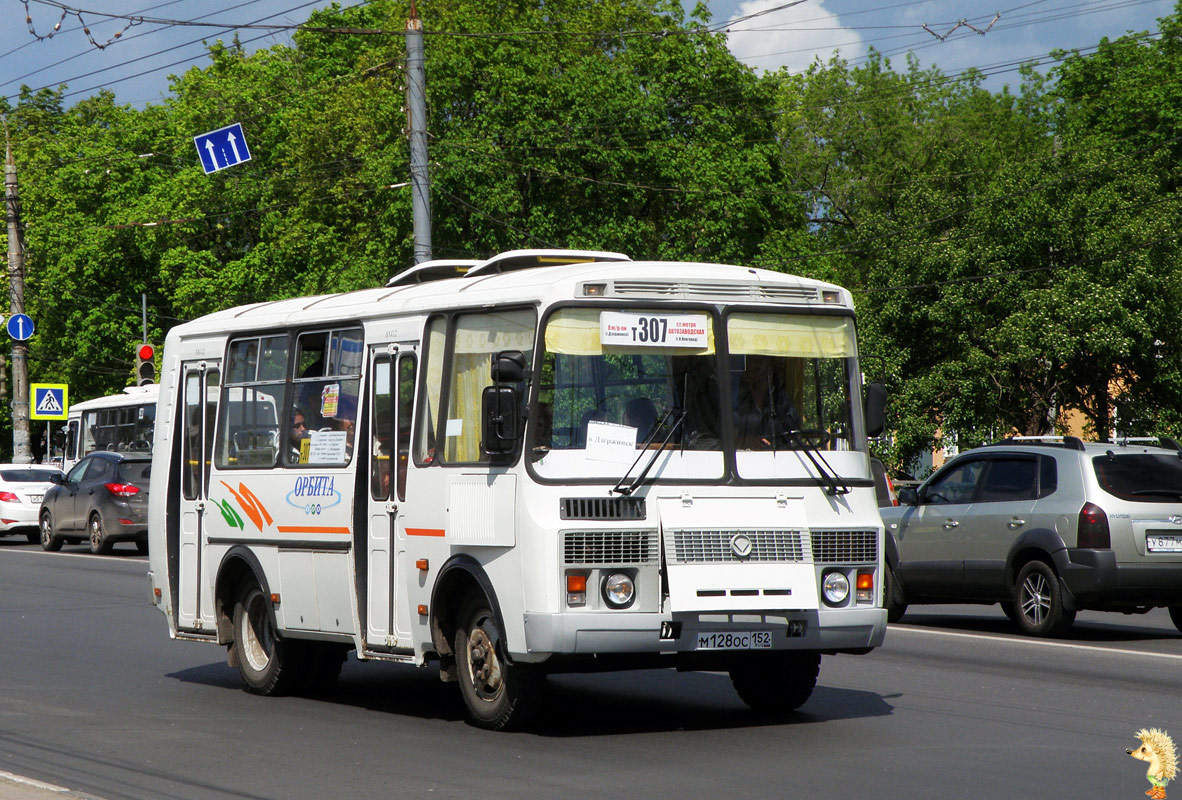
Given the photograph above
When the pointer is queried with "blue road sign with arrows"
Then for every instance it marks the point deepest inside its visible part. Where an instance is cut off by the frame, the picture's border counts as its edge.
(222, 148)
(20, 327)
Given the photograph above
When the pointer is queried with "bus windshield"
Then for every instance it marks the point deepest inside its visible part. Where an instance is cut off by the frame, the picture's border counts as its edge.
(614, 382)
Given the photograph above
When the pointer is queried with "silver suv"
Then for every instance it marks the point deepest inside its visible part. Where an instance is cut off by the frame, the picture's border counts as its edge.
(1046, 526)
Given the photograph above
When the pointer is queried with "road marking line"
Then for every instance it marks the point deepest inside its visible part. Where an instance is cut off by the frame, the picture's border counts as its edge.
(1040, 642)
(8, 776)
(136, 560)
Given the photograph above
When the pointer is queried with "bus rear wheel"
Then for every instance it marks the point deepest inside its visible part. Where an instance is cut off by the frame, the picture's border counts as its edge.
(776, 683)
(499, 694)
(268, 664)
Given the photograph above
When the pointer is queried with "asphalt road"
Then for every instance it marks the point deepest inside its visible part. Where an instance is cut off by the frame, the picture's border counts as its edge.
(95, 698)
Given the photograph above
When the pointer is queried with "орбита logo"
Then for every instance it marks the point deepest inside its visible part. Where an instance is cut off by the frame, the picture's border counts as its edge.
(1158, 749)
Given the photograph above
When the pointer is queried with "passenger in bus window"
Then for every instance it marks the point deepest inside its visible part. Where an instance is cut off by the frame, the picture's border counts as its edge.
(299, 432)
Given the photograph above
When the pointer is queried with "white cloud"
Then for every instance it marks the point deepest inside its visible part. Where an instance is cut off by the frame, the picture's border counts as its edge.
(790, 37)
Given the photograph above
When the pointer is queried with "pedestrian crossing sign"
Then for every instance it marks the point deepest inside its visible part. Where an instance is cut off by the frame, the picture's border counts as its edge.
(49, 400)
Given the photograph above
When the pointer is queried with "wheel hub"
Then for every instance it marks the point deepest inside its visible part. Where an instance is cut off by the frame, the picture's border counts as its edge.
(484, 664)
(1035, 601)
(256, 636)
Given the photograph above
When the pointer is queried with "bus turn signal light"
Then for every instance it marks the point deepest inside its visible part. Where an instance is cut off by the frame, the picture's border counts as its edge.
(576, 590)
(865, 587)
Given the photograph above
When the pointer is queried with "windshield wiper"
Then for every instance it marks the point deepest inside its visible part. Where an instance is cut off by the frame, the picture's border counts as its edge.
(834, 483)
(630, 488)
(1158, 492)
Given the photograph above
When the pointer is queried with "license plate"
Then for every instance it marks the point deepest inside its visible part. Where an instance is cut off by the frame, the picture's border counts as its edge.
(1163, 544)
(735, 640)
(36, 498)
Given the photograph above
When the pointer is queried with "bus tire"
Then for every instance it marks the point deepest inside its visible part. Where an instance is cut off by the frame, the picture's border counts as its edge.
(268, 664)
(776, 683)
(499, 695)
(99, 543)
(893, 597)
(49, 541)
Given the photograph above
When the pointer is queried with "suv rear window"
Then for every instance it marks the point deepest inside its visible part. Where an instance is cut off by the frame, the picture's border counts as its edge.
(136, 472)
(1141, 477)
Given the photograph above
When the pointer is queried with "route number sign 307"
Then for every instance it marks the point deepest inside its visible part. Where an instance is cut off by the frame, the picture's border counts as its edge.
(653, 330)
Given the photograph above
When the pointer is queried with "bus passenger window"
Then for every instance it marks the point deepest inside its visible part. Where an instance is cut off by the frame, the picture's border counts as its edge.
(425, 441)
(325, 388)
(252, 397)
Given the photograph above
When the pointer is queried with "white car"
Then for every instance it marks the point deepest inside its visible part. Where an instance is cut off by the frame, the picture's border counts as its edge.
(21, 488)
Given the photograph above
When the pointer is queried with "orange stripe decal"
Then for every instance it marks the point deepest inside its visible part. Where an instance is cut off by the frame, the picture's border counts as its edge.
(311, 529)
(424, 532)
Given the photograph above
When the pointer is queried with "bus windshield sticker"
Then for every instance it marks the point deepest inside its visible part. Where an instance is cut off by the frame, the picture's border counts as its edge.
(328, 447)
(455, 427)
(652, 330)
(607, 441)
(329, 400)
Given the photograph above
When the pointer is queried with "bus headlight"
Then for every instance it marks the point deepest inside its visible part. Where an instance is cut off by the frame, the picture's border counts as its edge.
(619, 590)
(835, 588)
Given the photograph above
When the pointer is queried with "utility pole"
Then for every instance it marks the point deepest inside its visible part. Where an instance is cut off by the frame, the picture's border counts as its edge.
(21, 454)
(416, 109)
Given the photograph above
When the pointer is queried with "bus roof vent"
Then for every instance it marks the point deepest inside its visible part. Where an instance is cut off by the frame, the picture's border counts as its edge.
(707, 290)
(528, 259)
(602, 508)
(436, 270)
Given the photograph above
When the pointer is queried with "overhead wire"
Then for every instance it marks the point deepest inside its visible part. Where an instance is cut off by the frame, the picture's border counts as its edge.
(123, 63)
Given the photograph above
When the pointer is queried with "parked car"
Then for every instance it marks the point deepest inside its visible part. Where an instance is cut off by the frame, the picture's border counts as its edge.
(1045, 528)
(21, 489)
(103, 498)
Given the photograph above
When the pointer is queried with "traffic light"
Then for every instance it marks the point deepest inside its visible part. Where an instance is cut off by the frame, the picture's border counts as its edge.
(145, 364)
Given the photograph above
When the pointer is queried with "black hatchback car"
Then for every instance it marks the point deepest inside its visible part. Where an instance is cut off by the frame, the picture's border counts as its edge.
(104, 498)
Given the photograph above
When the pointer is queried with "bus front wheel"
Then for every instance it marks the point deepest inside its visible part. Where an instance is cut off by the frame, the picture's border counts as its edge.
(500, 695)
(268, 664)
(776, 682)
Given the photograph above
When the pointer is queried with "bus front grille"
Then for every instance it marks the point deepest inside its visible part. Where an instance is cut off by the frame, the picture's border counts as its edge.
(842, 547)
(719, 546)
(589, 548)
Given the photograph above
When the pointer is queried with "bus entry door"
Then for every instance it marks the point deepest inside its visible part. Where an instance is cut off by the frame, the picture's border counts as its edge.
(388, 616)
(199, 390)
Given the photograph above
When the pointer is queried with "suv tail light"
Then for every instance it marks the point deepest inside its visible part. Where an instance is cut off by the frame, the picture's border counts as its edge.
(1093, 527)
(127, 490)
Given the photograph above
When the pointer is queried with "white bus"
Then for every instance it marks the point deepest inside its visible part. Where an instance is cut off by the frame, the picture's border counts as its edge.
(124, 422)
(548, 461)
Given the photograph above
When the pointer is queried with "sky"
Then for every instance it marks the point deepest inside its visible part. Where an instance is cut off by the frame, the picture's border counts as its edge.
(950, 34)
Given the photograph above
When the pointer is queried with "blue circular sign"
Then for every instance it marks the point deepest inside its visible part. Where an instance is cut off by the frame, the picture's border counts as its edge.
(20, 327)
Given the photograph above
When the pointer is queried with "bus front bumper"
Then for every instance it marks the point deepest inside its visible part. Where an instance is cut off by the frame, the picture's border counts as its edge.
(820, 630)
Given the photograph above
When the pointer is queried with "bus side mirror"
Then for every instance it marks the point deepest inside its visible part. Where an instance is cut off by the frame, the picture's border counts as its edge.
(875, 409)
(501, 413)
(508, 366)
